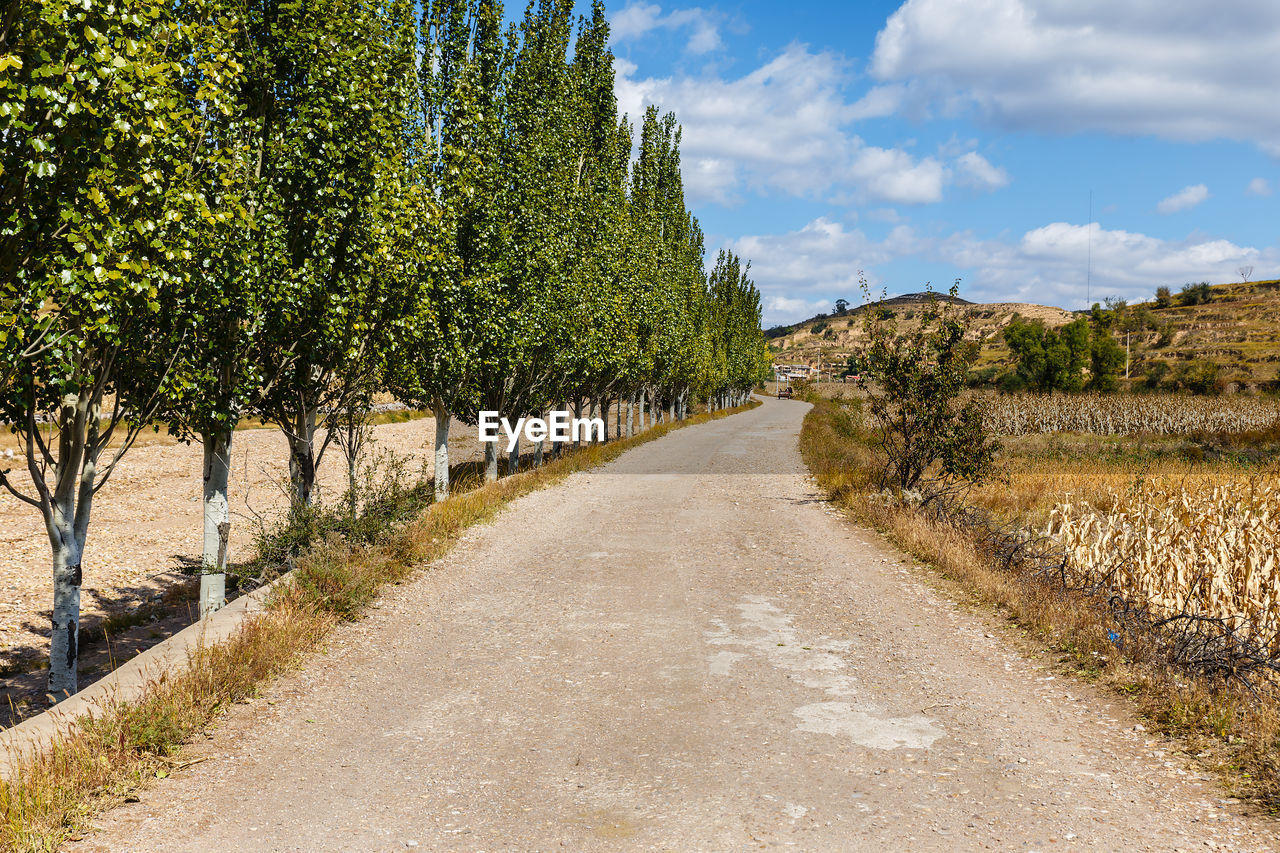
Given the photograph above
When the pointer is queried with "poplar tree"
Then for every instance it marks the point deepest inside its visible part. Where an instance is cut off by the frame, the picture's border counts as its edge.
(515, 357)
(453, 132)
(323, 87)
(108, 186)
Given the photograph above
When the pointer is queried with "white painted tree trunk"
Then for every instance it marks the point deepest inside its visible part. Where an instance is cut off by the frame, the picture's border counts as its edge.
(302, 460)
(443, 418)
(513, 458)
(629, 417)
(490, 461)
(64, 637)
(217, 521)
(617, 419)
(604, 415)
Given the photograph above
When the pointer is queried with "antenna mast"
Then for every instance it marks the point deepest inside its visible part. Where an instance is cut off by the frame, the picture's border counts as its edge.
(1088, 274)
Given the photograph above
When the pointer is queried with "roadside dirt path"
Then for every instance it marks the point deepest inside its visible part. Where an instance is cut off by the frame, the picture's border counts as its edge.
(682, 650)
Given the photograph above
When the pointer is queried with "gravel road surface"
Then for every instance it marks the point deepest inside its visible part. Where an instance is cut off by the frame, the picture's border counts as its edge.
(682, 650)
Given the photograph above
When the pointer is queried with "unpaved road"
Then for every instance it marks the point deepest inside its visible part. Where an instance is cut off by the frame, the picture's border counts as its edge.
(683, 650)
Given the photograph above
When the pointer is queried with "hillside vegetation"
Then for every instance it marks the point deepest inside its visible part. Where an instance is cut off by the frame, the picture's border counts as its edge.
(1234, 329)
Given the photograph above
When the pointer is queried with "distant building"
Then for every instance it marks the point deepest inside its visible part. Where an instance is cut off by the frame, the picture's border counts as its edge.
(793, 372)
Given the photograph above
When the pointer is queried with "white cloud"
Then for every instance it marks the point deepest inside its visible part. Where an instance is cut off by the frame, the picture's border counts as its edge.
(785, 127)
(1184, 199)
(975, 171)
(785, 310)
(1259, 186)
(802, 272)
(891, 174)
(639, 19)
(1050, 264)
(805, 271)
(1178, 69)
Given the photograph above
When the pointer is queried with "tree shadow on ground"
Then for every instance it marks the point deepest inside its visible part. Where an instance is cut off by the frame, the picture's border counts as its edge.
(128, 620)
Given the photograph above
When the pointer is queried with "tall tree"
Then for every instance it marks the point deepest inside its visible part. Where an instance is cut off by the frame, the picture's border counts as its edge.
(454, 135)
(323, 83)
(106, 113)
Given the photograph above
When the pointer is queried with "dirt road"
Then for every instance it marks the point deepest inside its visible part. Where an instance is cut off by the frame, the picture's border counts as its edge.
(683, 650)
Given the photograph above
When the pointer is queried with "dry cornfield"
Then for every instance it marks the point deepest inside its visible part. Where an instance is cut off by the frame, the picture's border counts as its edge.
(1127, 414)
(1200, 552)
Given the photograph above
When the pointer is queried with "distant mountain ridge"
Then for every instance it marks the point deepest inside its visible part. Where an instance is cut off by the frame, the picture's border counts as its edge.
(1237, 329)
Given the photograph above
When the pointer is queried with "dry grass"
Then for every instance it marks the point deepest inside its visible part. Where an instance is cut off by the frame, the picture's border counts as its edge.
(102, 761)
(1228, 729)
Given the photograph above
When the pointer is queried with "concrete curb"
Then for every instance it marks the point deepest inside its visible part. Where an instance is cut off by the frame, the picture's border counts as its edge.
(127, 682)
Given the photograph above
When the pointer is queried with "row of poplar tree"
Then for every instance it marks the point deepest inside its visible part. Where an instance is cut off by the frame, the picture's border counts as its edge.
(214, 209)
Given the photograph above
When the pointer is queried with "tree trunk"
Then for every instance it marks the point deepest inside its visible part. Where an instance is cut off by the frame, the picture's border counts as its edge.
(354, 507)
(443, 418)
(577, 413)
(513, 458)
(490, 461)
(604, 415)
(64, 637)
(557, 447)
(302, 460)
(644, 399)
(217, 521)
(629, 417)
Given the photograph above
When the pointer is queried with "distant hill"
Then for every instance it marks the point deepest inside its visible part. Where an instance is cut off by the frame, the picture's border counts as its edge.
(1238, 329)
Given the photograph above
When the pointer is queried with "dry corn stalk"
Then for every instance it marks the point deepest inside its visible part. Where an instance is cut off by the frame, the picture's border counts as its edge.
(1209, 553)
(1127, 414)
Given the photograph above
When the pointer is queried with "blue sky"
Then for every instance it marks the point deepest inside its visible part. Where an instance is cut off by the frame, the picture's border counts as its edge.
(929, 140)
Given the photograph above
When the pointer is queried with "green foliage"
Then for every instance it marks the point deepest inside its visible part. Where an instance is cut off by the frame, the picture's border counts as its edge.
(1196, 294)
(931, 439)
(1164, 297)
(1106, 360)
(1154, 377)
(1199, 377)
(985, 377)
(1049, 359)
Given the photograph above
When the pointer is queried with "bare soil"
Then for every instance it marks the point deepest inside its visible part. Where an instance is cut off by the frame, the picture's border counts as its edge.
(145, 538)
(685, 649)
